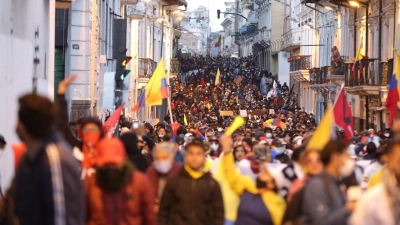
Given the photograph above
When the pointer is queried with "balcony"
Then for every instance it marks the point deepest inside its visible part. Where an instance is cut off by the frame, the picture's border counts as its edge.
(301, 62)
(175, 66)
(363, 82)
(146, 67)
(291, 40)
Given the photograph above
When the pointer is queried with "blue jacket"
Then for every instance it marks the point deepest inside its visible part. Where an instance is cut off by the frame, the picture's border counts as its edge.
(39, 196)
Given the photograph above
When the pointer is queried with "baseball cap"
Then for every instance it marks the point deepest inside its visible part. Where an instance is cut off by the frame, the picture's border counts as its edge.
(2, 140)
(110, 151)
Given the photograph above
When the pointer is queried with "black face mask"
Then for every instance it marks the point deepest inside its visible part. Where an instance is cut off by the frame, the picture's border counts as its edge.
(113, 179)
(283, 120)
(260, 183)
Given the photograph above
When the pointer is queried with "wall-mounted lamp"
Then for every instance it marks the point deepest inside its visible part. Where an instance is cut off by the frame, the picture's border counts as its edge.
(309, 26)
(354, 4)
(328, 7)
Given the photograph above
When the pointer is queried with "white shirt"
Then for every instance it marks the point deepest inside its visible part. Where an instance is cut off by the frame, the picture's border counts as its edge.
(373, 208)
(368, 172)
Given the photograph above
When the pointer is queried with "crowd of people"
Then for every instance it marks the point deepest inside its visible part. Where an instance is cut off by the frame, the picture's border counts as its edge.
(192, 172)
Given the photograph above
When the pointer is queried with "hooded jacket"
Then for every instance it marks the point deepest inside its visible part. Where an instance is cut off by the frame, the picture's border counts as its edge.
(132, 205)
(191, 198)
(133, 152)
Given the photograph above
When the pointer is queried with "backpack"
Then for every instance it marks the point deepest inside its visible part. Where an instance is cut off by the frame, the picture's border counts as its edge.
(293, 213)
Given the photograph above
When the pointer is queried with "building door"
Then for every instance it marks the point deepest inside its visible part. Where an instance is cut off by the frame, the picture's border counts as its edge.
(59, 68)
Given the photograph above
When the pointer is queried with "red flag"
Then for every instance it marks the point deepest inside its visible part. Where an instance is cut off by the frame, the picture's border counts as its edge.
(111, 123)
(343, 116)
(202, 83)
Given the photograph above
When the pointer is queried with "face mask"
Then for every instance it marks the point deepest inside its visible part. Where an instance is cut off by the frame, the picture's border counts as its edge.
(163, 166)
(214, 147)
(386, 134)
(347, 168)
(260, 183)
(90, 138)
(283, 120)
(112, 179)
(279, 150)
(268, 135)
(160, 136)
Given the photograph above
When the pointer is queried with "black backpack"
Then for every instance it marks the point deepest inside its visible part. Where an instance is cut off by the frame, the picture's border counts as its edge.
(293, 213)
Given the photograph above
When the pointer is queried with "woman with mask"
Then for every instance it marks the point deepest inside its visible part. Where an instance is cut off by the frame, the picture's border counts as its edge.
(259, 202)
(164, 166)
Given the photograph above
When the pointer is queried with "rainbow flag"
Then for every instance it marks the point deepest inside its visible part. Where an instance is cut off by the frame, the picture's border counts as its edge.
(393, 98)
(324, 132)
(157, 84)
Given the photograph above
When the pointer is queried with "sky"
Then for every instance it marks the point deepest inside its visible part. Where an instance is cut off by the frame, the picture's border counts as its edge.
(214, 5)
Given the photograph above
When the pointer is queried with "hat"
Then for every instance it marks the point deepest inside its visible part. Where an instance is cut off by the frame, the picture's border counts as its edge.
(110, 151)
(260, 151)
(2, 140)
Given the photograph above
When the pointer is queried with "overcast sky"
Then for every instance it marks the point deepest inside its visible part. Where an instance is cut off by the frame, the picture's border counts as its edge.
(213, 5)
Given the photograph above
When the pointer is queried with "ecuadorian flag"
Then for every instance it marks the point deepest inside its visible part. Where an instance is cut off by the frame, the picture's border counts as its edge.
(156, 90)
(325, 131)
(392, 100)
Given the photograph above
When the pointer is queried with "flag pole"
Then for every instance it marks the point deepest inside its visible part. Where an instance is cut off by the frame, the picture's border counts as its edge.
(341, 88)
(170, 110)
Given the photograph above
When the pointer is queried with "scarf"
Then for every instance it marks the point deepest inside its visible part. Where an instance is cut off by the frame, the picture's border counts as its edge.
(392, 188)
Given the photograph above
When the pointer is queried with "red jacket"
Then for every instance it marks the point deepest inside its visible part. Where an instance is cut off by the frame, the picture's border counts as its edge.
(153, 176)
(133, 205)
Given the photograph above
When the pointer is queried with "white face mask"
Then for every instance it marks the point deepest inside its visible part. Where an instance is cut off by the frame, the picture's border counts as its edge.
(347, 168)
(268, 135)
(163, 166)
(160, 136)
(386, 134)
(214, 147)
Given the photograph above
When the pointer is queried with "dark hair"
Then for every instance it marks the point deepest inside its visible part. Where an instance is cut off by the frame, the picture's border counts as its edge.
(267, 129)
(149, 127)
(235, 150)
(391, 146)
(37, 114)
(335, 146)
(371, 148)
(297, 152)
(197, 142)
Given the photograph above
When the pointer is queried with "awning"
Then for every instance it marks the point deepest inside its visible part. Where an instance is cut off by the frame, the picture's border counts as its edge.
(176, 2)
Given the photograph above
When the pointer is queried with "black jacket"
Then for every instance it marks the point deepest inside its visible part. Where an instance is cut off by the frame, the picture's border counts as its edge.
(36, 182)
(188, 201)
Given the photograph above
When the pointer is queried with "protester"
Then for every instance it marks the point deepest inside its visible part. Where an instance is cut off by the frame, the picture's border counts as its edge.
(133, 151)
(381, 204)
(46, 188)
(251, 165)
(163, 168)
(313, 166)
(260, 203)
(379, 161)
(118, 193)
(324, 202)
(192, 197)
(293, 171)
(239, 153)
